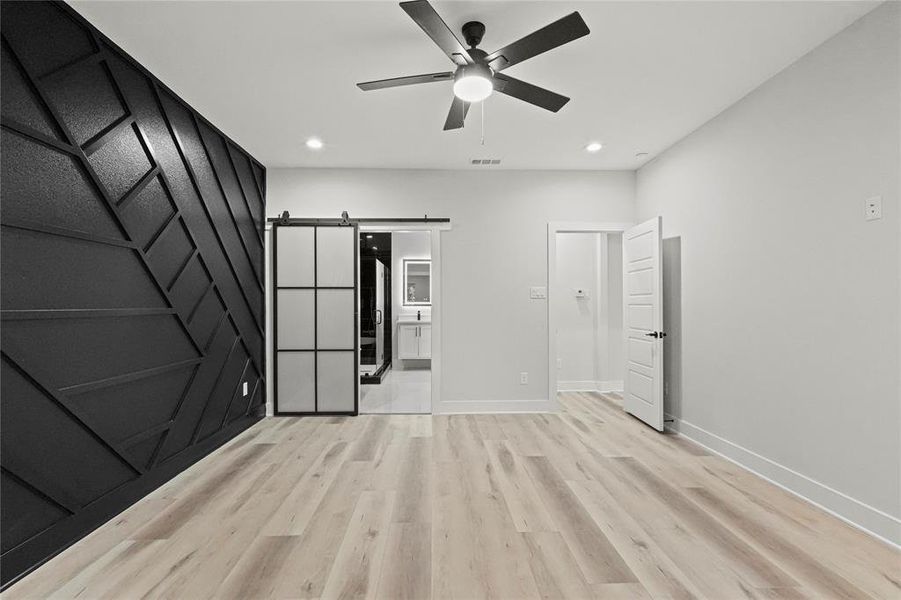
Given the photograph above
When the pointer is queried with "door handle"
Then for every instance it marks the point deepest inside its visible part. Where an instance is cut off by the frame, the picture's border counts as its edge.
(378, 317)
(656, 334)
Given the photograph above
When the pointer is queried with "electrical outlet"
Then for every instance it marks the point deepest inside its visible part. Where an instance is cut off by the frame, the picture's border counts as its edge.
(559, 363)
(537, 293)
(523, 378)
(873, 208)
(244, 388)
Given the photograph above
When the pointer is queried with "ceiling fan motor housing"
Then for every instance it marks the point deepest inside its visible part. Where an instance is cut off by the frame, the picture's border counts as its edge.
(473, 32)
(478, 69)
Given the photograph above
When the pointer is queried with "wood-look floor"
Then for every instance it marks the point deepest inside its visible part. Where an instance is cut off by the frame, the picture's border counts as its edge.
(588, 503)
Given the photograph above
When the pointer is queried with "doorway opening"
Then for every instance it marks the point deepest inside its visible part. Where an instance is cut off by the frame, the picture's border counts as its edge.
(587, 299)
(640, 289)
(396, 299)
(586, 345)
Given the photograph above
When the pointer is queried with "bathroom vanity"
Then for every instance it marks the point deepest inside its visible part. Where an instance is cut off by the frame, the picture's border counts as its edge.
(414, 339)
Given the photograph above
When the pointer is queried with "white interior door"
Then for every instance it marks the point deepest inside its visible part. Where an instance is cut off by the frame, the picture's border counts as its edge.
(643, 322)
(316, 312)
(379, 314)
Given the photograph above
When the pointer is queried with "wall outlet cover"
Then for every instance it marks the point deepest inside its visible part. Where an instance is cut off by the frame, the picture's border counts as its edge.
(523, 378)
(873, 208)
(538, 293)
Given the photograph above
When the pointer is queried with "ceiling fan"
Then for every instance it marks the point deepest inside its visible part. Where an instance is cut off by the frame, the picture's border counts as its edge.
(479, 73)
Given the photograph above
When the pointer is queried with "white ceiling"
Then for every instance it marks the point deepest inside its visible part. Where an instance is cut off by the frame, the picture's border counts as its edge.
(271, 74)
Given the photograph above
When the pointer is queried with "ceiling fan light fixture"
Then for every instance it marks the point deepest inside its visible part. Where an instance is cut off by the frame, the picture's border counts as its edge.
(472, 83)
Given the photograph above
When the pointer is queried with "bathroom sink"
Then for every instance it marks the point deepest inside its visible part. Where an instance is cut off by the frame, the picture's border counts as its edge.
(412, 319)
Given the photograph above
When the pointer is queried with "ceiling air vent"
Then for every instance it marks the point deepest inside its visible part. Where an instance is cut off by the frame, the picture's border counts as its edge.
(485, 161)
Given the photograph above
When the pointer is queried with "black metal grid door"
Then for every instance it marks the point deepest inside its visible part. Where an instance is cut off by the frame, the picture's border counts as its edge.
(315, 317)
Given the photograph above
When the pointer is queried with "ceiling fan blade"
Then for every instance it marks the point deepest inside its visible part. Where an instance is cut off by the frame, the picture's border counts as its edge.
(435, 27)
(409, 80)
(456, 115)
(529, 93)
(569, 28)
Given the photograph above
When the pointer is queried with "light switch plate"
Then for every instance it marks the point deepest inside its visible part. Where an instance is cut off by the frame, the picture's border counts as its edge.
(244, 388)
(873, 208)
(537, 293)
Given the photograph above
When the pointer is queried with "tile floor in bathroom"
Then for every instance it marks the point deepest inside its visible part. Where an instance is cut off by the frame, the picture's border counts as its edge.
(400, 392)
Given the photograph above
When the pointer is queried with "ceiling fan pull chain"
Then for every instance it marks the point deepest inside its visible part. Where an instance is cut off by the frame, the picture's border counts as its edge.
(483, 121)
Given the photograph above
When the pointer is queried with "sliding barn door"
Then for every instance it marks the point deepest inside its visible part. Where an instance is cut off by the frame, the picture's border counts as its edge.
(643, 323)
(316, 337)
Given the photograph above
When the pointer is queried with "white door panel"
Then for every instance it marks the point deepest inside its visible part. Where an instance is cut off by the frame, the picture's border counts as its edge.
(641, 282)
(335, 254)
(296, 319)
(643, 322)
(641, 352)
(336, 390)
(296, 380)
(641, 386)
(335, 319)
(298, 270)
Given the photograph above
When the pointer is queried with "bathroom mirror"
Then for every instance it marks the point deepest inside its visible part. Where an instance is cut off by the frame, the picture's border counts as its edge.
(417, 282)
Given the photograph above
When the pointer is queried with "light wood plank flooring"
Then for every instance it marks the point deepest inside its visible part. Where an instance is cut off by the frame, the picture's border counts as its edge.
(588, 503)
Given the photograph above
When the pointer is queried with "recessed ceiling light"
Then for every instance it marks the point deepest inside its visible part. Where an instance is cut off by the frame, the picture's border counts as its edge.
(594, 147)
(314, 143)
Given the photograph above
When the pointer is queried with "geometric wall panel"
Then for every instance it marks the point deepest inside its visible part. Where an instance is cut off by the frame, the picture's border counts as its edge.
(132, 283)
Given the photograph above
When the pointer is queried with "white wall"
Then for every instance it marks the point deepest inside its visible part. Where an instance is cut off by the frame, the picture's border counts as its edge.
(789, 298)
(578, 319)
(589, 329)
(406, 244)
(495, 251)
(615, 368)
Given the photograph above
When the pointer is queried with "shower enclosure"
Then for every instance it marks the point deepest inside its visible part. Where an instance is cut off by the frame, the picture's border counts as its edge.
(375, 308)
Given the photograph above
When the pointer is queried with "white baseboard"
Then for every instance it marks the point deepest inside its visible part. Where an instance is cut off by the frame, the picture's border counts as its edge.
(458, 407)
(576, 386)
(590, 386)
(610, 386)
(873, 521)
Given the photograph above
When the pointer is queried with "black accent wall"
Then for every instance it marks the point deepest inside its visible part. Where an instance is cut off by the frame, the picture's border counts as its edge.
(132, 283)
